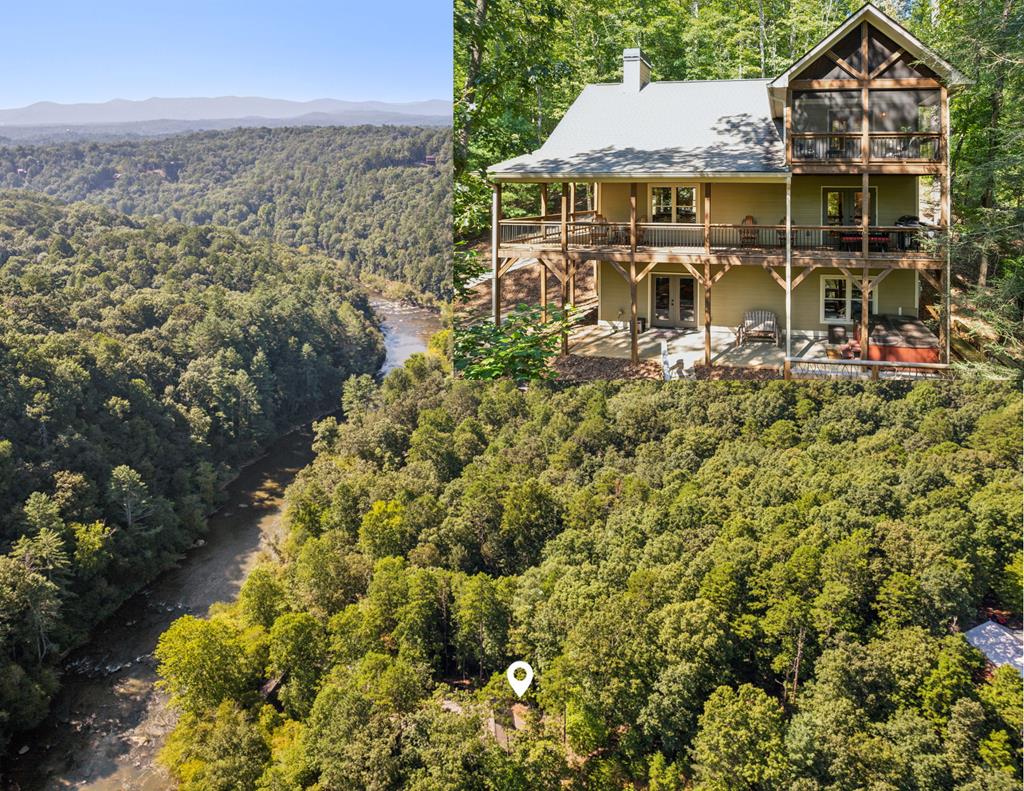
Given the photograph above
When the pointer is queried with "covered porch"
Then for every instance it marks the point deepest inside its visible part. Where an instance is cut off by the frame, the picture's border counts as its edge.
(786, 254)
(683, 348)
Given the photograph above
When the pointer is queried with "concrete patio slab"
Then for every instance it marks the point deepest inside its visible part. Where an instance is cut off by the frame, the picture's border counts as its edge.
(686, 346)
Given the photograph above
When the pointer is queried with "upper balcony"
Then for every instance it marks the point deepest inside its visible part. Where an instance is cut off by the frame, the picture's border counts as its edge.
(895, 127)
(590, 236)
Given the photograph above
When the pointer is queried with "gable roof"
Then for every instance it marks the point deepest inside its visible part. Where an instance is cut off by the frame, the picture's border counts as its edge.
(692, 129)
(667, 129)
(948, 73)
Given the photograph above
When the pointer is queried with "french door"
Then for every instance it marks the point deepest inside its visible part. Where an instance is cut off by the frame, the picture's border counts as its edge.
(675, 301)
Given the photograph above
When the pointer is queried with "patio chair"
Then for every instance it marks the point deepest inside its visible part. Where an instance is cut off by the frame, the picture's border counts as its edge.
(758, 324)
(748, 232)
(600, 229)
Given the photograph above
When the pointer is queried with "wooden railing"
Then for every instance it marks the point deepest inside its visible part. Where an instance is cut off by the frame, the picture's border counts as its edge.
(825, 146)
(827, 368)
(754, 239)
(906, 147)
(883, 147)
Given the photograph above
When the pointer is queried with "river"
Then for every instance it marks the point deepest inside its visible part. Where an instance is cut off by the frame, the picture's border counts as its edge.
(109, 720)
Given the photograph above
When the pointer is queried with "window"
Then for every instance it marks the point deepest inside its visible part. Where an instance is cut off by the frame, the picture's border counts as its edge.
(840, 300)
(842, 206)
(673, 204)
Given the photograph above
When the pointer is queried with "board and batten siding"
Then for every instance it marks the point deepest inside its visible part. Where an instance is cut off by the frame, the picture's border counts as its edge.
(732, 201)
(746, 288)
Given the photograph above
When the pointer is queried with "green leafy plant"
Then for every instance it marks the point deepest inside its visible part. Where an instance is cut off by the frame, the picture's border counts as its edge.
(521, 348)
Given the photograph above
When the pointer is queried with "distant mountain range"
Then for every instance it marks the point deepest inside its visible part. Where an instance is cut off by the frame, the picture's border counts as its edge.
(158, 116)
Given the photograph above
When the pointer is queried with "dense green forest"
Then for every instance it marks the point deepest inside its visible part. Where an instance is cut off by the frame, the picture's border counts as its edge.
(140, 363)
(365, 195)
(518, 67)
(719, 586)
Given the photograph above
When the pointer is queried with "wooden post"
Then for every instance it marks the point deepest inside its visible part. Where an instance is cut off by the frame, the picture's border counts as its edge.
(789, 265)
(789, 126)
(543, 291)
(707, 218)
(634, 342)
(787, 369)
(865, 214)
(865, 305)
(565, 259)
(495, 261)
(543, 201)
(945, 219)
(572, 199)
(707, 314)
(865, 138)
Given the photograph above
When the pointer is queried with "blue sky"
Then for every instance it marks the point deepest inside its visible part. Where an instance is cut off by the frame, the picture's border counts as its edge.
(82, 51)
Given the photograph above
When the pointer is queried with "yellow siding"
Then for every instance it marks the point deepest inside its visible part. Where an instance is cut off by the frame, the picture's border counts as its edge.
(745, 288)
(897, 195)
(766, 203)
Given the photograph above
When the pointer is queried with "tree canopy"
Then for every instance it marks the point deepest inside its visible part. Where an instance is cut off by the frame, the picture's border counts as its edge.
(364, 195)
(719, 586)
(140, 363)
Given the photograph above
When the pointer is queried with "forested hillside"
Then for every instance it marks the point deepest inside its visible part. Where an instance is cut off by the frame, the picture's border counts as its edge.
(362, 194)
(140, 363)
(719, 587)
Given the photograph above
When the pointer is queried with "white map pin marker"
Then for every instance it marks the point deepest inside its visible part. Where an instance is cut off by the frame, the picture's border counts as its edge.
(520, 685)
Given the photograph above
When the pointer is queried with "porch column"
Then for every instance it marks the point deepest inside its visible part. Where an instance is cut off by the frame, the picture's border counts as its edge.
(572, 199)
(565, 259)
(634, 343)
(543, 266)
(865, 306)
(865, 297)
(543, 292)
(945, 218)
(707, 218)
(707, 313)
(789, 265)
(495, 261)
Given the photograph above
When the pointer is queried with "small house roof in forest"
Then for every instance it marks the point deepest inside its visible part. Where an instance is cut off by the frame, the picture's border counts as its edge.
(1001, 645)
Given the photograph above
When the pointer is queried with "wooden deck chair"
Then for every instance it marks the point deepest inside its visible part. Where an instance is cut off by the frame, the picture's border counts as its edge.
(748, 232)
(758, 324)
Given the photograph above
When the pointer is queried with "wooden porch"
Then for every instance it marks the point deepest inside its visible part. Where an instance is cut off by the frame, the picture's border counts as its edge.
(789, 253)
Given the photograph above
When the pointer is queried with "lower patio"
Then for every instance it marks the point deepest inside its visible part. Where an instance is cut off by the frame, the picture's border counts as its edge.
(683, 349)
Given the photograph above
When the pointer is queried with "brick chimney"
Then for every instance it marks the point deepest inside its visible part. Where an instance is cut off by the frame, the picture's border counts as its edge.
(636, 71)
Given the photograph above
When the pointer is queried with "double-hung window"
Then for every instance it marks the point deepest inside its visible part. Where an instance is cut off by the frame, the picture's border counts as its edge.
(841, 300)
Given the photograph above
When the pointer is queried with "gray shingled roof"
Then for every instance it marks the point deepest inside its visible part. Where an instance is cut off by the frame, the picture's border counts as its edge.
(667, 129)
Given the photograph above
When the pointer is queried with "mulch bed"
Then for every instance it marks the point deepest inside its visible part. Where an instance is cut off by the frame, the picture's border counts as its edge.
(523, 286)
(576, 368)
(726, 373)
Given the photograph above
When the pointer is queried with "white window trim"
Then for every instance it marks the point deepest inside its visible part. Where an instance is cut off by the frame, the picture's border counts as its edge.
(695, 186)
(850, 283)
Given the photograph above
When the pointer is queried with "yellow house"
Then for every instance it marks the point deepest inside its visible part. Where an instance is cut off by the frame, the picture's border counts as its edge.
(763, 204)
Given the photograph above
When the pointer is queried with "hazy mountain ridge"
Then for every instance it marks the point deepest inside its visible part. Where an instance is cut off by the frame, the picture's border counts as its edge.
(121, 111)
